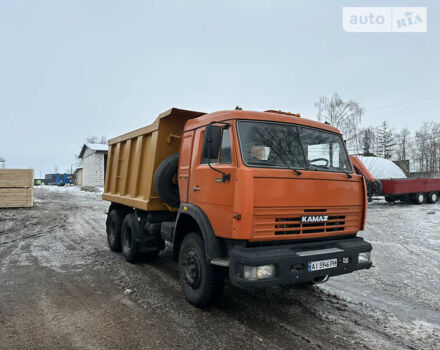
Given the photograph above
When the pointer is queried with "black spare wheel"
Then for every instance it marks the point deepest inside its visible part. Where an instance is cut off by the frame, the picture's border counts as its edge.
(165, 181)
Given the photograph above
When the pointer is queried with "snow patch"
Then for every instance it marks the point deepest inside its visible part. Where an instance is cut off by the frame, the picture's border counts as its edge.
(382, 168)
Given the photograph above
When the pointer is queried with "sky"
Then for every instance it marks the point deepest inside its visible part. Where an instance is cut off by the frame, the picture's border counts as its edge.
(73, 69)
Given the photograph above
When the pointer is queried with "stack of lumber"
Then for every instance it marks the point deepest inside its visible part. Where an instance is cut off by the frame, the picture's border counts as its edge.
(16, 188)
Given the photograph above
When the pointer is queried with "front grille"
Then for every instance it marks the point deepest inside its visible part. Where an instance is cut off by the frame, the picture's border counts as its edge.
(291, 226)
(286, 221)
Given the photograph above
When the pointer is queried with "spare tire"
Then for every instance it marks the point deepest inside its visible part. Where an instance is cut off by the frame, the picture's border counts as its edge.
(165, 181)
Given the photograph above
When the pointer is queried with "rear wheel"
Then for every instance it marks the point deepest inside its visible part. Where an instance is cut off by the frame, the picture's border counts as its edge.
(389, 199)
(432, 197)
(418, 198)
(128, 238)
(113, 228)
(201, 282)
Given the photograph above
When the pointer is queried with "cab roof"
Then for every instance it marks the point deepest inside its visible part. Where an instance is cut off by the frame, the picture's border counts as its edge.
(274, 116)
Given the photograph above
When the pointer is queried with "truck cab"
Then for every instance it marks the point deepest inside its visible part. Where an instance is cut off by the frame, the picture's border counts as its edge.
(265, 198)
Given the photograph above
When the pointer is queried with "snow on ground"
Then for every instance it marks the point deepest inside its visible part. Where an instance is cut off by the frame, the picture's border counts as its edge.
(404, 280)
(73, 189)
(382, 168)
(394, 305)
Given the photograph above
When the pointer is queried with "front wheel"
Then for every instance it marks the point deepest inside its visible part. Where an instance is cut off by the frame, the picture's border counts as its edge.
(201, 282)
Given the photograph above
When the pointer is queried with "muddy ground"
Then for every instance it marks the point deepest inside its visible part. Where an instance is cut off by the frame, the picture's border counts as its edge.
(61, 287)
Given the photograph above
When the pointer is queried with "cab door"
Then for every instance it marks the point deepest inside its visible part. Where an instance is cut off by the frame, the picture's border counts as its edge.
(184, 165)
(207, 190)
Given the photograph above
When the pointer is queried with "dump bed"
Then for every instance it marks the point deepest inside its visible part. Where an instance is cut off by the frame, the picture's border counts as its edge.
(134, 157)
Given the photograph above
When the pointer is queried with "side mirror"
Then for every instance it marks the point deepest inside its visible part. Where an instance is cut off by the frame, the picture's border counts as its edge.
(212, 141)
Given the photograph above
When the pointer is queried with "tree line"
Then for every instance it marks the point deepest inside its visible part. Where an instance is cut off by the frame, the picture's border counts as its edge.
(421, 146)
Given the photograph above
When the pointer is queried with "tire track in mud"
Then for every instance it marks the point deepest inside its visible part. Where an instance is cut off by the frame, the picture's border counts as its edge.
(259, 314)
(279, 318)
(341, 324)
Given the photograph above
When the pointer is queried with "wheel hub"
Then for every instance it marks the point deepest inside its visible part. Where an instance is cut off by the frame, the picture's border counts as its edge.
(191, 266)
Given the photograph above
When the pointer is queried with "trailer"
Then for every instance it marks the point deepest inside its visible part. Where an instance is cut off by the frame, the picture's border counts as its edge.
(416, 191)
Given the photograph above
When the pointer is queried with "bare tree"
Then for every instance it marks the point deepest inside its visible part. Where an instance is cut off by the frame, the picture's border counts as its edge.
(403, 144)
(97, 139)
(427, 147)
(344, 115)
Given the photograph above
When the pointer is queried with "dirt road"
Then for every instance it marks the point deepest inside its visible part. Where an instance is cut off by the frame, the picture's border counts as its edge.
(60, 287)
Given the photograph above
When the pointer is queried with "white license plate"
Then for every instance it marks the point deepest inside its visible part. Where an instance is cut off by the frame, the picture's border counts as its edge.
(323, 264)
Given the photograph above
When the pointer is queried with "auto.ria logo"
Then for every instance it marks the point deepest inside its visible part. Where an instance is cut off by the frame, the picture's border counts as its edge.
(384, 19)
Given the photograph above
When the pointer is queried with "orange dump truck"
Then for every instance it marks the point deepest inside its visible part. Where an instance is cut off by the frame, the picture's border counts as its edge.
(261, 198)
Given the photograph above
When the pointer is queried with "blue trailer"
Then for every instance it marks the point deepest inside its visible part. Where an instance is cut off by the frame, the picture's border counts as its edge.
(63, 179)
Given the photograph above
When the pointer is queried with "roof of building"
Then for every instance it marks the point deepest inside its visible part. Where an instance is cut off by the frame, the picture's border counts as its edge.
(97, 147)
(2, 159)
(382, 168)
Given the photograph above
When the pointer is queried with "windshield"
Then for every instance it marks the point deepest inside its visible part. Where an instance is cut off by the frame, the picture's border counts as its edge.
(281, 145)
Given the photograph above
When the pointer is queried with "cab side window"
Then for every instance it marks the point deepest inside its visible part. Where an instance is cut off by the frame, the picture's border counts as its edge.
(225, 150)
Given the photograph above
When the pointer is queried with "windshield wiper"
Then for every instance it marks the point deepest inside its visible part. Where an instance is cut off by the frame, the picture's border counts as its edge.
(326, 167)
(347, 173)
(290, 168)
(293, 169)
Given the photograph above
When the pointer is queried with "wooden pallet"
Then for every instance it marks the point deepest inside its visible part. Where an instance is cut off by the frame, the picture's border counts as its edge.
(16, 188)
(16, 178)
(16, 197)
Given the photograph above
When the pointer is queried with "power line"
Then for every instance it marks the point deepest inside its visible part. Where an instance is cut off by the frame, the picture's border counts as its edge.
(400, 113)
(405, 103)
(406, 143)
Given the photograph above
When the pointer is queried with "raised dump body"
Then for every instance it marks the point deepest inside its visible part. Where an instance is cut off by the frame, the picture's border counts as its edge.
(134, 157)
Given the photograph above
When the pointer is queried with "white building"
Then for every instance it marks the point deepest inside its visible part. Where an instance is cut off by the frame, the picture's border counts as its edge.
(94, 162)
(2, 162)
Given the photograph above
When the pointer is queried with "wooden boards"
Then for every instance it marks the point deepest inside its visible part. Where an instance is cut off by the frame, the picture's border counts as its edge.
(16, 197)
(16, 188)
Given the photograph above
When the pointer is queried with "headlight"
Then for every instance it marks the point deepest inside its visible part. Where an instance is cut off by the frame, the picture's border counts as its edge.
(258, 272)
(364, 258)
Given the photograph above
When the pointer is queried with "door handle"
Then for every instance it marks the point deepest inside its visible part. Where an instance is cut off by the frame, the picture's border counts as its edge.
(196, 188)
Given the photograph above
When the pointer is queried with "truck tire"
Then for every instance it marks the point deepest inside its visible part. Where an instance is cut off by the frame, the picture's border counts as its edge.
(165, 181)
(432, 197)
(418, 198)
(201, 282)
(128, 241)
(378, 187)
(113, 228)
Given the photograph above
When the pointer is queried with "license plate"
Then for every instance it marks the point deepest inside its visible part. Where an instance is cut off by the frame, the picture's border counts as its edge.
(323, 264)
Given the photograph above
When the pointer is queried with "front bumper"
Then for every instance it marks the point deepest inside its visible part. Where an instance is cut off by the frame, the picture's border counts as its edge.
(292, 261)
